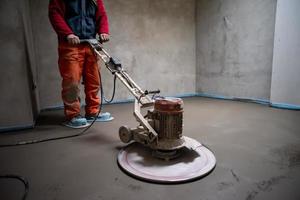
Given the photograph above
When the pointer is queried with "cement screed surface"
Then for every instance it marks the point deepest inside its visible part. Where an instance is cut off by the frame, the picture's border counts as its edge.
(257, 150)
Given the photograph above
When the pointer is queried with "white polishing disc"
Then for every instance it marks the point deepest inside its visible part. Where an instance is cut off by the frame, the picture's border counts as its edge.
(138, 161)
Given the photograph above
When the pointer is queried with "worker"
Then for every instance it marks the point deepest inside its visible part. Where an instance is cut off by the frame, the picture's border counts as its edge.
(73, 21)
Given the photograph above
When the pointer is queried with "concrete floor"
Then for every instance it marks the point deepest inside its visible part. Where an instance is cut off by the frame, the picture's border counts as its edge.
(257, 150)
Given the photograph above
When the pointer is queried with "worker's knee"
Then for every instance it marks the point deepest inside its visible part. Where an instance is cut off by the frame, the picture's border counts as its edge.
(71, 92)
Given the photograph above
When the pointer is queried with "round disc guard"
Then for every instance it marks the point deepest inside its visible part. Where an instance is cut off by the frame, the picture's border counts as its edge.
(138, 161)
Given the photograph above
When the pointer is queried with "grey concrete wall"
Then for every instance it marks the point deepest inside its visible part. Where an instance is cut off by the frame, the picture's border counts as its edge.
(154, 39)
(235, 47)
(45, 44)
(15, 85)
(286, 60)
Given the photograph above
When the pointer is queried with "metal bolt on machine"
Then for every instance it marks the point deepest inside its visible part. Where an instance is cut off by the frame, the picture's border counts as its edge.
(157, 151)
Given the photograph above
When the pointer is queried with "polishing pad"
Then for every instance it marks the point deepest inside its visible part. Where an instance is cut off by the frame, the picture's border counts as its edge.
(193, 163)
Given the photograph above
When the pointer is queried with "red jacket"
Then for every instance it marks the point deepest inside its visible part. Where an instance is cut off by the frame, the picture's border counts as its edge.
(57, 19)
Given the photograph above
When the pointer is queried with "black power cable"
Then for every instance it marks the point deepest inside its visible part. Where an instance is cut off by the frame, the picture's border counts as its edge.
(114, 91)
(51, 139)
(46, 140)
(21, 179)
(75, 135)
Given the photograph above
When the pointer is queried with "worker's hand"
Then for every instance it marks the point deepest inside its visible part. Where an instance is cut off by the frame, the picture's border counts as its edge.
(104, 37)
(73, 39)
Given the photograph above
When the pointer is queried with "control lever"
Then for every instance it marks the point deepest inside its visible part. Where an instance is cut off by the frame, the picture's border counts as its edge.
(152, 92)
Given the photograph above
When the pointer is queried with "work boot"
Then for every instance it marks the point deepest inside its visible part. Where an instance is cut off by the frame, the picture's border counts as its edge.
(102, 117)
(77, 122)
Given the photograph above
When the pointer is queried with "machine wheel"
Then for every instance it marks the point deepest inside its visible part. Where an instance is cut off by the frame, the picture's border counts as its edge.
(125, 134)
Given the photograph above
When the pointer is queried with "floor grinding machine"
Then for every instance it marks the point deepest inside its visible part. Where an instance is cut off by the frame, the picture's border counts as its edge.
(157, 150)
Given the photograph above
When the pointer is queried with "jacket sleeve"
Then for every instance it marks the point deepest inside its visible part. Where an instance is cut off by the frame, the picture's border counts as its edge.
(56, 16)
(102, 22)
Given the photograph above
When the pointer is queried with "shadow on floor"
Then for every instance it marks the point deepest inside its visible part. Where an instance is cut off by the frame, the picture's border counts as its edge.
(50, 118)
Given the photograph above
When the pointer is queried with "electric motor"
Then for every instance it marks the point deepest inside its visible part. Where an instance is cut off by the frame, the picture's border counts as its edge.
(167, 120)
(167, 115)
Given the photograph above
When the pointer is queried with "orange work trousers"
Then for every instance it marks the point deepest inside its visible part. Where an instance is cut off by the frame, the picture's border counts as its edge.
(76, 62)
